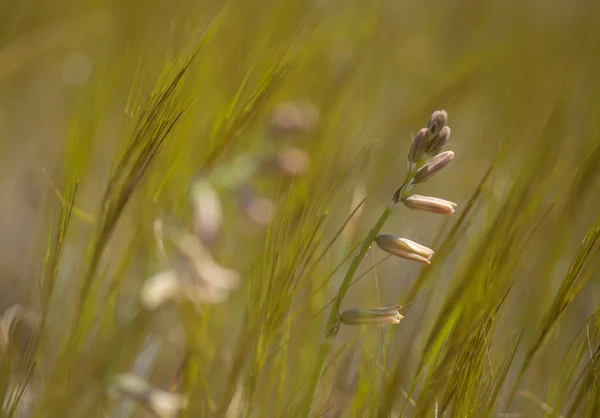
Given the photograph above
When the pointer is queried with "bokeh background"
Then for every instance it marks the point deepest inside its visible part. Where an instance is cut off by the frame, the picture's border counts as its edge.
(519, 80)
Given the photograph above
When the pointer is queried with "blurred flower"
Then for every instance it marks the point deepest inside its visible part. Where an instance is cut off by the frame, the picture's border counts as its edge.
(194, 275)
(208, 212)
(291, 118)
(158, 402)
(260, 210)
(11, 317)
(436, 164)
(429, 204)
(293, 161)
(437, 121)
(404, 248)
(372, 316)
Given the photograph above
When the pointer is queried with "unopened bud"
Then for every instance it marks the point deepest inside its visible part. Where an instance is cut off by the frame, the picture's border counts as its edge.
(405, 248)
(418, 146)
(429, 204)
(436, 164)
(437, 121)
(439, 141)
(372, 316)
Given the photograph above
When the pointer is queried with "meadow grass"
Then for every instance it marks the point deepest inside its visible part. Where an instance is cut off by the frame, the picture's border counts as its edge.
(230, 217)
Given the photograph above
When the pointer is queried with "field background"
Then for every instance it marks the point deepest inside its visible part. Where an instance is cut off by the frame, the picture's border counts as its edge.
(504, 322)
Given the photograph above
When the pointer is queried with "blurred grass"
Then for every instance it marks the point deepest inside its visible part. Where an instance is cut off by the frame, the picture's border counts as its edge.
(123, 104)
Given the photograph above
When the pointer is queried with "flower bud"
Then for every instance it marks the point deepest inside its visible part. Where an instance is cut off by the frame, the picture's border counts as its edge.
(436, 164)
(404, 248)
(372, 316)
(429, 204)
(418, 145)
(439, 141)
(437, 121)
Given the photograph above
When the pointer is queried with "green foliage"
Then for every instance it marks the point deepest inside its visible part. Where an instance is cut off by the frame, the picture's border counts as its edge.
(504, 320)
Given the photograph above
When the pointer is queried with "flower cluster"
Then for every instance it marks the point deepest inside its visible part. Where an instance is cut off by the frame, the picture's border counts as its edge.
(425, 158)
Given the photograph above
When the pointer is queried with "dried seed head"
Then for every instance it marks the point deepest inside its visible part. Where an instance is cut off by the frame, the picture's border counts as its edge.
(429, 204)
(439, 141)
(418, 146)
(158, 402)
(436, 164)
(208, 212)
(437, 121)
(373, 316)
(402, 247)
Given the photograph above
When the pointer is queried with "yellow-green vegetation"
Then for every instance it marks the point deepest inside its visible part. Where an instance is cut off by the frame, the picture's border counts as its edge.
(259, 209)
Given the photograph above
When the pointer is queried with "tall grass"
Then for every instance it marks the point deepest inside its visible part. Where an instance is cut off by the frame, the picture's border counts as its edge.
(210, 179)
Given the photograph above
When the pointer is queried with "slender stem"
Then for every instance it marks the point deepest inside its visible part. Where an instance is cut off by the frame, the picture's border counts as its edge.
(333, 322)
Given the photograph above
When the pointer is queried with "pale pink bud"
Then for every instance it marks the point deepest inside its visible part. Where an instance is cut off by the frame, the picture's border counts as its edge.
(436, 164)
(403, 247)
(437, 121)
(429, 204)
(418, 146)
(439, 141)
(372, 316)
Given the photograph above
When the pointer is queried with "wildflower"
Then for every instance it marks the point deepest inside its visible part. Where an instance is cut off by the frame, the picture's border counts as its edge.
(439, 141)
(404, 248)
(437, 121)
(429, 204)
(418, 146)
(158, 402)
(436, 164)
(372, 316)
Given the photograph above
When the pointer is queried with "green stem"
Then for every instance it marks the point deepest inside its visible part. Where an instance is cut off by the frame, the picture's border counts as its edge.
(333, 322)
